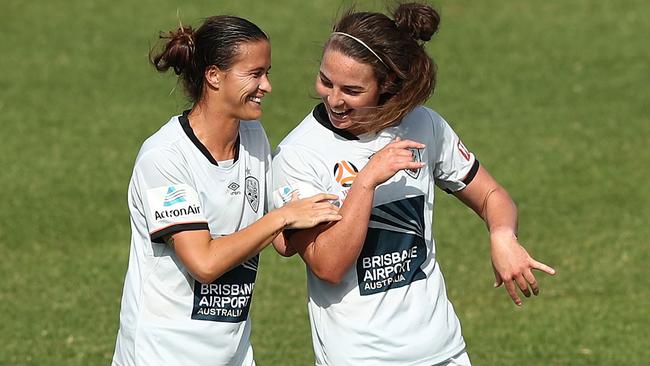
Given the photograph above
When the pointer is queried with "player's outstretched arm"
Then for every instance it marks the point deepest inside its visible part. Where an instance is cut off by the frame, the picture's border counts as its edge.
(511, 262)
(208, 258)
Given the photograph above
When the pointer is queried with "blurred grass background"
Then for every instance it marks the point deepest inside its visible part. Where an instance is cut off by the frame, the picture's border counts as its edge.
(552, 97)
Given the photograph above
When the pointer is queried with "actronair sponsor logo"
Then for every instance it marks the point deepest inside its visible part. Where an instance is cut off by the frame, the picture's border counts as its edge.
(174, 196)
(177, 212)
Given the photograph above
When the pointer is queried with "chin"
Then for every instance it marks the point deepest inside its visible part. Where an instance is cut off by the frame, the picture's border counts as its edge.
(251, 115)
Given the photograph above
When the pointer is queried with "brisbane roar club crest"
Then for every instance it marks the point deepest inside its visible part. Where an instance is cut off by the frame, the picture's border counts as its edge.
(417, 157)
(345, 172)
(252, 192)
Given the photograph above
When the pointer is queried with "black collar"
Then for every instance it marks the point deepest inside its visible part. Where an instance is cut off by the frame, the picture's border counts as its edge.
(185, 123)
(320, 114)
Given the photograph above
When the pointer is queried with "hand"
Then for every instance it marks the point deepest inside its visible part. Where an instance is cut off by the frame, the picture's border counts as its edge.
(389, 160)
(513, 266)
(308, 212)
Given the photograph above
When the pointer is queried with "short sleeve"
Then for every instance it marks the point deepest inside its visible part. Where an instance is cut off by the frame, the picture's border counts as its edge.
(170, 200)
(294, 172)
(454, 166)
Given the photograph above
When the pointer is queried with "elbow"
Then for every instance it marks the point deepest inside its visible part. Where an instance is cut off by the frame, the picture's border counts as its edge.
(204, 278)
(205, 275)
(332, 276)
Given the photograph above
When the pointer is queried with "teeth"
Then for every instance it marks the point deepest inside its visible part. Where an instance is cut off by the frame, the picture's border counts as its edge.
(255, 99)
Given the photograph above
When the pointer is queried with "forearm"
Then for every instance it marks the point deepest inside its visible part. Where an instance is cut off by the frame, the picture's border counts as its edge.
(336, 248)
(500, 213)
(208, 259)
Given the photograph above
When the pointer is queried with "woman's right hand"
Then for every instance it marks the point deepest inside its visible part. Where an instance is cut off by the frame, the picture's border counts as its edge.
(389, 160)
(308, 212)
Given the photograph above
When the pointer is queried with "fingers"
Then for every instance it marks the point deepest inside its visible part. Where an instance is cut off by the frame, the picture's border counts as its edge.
(530, 278)
(405, 144)
(523, 285)
(327, 218)
(498, 281)
(510, 287)
(542, 267)
(323, 197)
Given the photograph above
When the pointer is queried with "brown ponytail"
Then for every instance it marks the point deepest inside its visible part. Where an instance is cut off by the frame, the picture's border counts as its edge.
(189, 53)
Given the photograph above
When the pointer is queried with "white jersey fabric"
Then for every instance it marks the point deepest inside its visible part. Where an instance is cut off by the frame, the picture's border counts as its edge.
(167, 317)
(391, 307)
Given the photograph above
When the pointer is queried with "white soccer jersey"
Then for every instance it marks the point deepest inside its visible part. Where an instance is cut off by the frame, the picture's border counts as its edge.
(391, 307)
(167, 317)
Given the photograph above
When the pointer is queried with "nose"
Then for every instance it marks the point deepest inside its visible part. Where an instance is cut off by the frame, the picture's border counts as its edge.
(265, 84)
(335, 98)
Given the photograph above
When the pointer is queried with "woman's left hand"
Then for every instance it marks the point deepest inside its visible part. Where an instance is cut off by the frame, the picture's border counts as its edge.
(513, 266)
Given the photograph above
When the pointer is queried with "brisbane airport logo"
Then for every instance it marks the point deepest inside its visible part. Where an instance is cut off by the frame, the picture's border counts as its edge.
(173, 197)
(345, 172)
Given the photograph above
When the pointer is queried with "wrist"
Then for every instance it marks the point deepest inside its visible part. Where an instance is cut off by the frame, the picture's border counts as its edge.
(363, 182)
(503, 233)
(282, 218)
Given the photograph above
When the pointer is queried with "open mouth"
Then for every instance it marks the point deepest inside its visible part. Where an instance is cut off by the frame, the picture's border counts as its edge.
(340, 115)
(256, 100)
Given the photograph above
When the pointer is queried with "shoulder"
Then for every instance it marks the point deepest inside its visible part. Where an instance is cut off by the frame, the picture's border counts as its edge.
(163, 145)
(305, 134)
(252, 127)
(422, 114)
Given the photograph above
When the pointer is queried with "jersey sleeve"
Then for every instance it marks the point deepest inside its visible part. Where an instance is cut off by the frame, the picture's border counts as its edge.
(294, 172)
(454, 166)
(170, 200)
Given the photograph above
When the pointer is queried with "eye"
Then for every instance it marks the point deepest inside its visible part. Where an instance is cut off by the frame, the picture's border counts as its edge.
(326, 83)
(352, 92)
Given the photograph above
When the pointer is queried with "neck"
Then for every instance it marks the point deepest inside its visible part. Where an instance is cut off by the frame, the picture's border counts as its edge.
(217, 132)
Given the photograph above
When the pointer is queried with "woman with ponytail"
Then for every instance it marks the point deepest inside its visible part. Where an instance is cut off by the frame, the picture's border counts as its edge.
(376, 292)
(197, 201)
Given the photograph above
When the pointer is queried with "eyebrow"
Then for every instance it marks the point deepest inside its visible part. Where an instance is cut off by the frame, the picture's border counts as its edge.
(258, 69)
(351, 87)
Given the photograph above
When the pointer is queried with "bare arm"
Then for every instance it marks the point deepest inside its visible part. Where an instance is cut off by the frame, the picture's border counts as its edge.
(207, 258)
(511, 262)
(331, 249)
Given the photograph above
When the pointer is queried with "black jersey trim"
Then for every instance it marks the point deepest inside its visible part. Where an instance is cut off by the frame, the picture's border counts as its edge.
(159, 236)
(320, 114)
(469, 177)
(472, 173)
(185, 123)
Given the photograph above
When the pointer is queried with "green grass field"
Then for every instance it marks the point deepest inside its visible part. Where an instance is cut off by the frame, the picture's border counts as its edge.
(552, 96)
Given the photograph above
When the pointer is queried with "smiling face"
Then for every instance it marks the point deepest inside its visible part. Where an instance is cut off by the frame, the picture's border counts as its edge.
(243, 86)
(349, 89)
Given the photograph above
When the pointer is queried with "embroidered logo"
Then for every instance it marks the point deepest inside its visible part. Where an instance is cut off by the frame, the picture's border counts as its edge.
(345, 172)
(252, 192)
(414, 173)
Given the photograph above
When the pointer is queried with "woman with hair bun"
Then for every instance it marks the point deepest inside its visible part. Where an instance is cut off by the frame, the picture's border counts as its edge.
(376, 292)
(197, 201)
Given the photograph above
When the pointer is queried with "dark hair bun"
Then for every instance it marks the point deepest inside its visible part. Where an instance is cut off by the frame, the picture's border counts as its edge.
(177, 51)
(419, 20)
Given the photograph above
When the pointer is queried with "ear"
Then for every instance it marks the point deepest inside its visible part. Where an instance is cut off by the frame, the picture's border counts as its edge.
(388, 86)
(213, 77)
